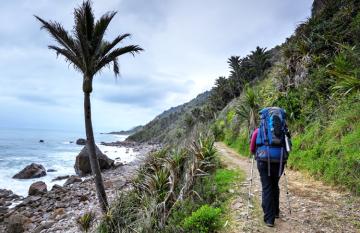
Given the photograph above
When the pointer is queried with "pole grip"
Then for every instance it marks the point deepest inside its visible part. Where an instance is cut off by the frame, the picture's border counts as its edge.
(287, 143)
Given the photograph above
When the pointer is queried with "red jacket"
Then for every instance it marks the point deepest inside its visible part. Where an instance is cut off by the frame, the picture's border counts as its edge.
(253, 141)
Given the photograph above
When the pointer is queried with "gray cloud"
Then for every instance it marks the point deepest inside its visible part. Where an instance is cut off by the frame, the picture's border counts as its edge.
(141, 91)
(146, 98)
(38, 99)
(186, 47)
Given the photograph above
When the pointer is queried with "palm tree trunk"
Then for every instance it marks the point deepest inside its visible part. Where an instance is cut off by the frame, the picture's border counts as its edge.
(95, 168)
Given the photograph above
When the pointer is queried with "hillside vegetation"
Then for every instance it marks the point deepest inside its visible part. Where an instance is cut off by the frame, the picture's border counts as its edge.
(317, 81)
(127, 132)
(172, 124)
(314, 75)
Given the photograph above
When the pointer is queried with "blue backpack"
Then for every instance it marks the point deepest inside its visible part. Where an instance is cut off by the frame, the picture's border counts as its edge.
(270, 140)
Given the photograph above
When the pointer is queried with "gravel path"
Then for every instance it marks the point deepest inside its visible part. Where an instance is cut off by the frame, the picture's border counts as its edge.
(315, 207)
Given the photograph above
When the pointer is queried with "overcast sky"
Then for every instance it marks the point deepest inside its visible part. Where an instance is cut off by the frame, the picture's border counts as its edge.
(186, 42)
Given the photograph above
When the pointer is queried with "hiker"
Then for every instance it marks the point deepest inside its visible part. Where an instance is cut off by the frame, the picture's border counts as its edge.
(268, 144)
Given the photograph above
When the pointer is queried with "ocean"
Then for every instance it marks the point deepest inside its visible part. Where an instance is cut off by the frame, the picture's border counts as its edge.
(21, 147)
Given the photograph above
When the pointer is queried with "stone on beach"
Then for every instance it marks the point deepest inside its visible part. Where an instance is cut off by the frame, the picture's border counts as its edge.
(82, 163)
(15, 223)
(37, 188)
(58, 188)
(44, 225)
(81, 141)
(60, 178)
(6, 198)
(72, 180)
(33, 170)
(7, 194)
(118, 164)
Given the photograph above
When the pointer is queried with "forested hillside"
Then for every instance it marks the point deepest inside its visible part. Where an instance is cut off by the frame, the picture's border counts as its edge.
(314, 75)
(172, 124)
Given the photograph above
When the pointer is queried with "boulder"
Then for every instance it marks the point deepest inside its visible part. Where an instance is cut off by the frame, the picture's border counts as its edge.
(6, 199)
(82, 163)
(16, 223)
(37, 188)
(72, 180)
(31, 171)
(4, 193)
(81, 142)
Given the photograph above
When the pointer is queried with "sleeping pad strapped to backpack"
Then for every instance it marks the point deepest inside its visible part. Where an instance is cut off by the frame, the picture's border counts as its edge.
(270, 140)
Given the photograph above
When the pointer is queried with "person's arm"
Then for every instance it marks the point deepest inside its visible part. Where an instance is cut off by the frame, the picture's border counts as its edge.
(253, 141)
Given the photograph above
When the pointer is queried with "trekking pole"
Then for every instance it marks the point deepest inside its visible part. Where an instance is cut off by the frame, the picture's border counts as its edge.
(251, 179)
(287, 193)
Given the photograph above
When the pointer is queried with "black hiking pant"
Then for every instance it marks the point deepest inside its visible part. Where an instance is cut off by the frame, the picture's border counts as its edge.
(270, 189)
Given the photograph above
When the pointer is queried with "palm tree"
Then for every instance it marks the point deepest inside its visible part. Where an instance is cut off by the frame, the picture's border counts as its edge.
(235, 74)
(88, 52)
(221, 94)
(259, 60)
(249, 108)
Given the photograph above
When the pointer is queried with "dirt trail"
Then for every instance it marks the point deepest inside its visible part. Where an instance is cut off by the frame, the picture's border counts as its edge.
(315, 207)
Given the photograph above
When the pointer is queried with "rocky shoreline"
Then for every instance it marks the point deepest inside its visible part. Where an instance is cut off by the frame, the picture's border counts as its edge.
(58, 209)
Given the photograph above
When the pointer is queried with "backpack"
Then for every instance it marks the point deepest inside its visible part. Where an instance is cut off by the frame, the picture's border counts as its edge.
(270, 140)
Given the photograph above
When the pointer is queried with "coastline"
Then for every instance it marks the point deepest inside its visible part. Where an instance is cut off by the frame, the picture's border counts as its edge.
(58, 209)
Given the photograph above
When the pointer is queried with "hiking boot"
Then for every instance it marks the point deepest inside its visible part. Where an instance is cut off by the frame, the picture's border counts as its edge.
(269, 223)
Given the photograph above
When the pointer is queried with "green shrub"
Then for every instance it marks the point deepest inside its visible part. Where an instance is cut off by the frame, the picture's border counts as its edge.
(345, 69)
(180, 211)
(85, 222)
(230, 116)
(122, 213)
(291, 103)
(218, 130)
(204, 220)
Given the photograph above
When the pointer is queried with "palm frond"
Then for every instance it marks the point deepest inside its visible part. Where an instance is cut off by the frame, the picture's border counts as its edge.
(106, 60)
(88, 19)
(99, 29)
(81, 32)
(69, 56)
(109, 46)
(84, 20)
(116, 68)
(57, 31)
